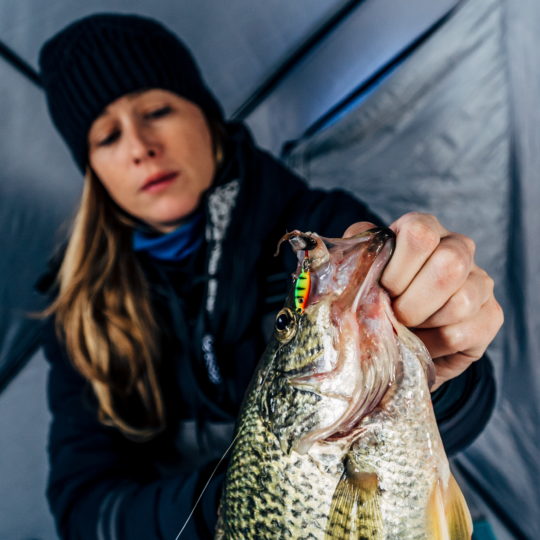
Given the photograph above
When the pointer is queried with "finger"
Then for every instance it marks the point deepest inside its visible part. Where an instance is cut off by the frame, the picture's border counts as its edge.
(417, 237)
(469, 338)
(357, 228)
(448, 367)
(441, 276)
(465, 302)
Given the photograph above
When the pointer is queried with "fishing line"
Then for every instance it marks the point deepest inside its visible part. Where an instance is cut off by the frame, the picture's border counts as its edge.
(206, 485)
(219, 463)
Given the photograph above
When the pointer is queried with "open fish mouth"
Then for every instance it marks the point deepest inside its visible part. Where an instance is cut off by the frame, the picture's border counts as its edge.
(343, 268)
(382, 247)
(356, 368)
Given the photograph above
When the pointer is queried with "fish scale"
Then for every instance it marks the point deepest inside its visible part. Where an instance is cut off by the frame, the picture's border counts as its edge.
(337, 439)
(410, 466)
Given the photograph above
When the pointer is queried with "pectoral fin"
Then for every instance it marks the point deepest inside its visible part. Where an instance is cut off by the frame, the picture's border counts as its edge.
(355, 511)
(448, 514)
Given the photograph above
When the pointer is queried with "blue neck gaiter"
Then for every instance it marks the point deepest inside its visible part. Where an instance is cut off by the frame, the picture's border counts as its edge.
(174, 246)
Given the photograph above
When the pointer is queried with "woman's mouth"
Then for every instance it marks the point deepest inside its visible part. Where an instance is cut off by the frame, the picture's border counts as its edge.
(159, 181)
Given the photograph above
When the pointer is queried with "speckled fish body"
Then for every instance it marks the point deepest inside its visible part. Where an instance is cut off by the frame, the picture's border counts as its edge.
(337, 437)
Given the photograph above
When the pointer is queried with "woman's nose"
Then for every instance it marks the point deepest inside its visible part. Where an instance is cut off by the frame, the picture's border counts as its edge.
(142, 146)
(139, 157)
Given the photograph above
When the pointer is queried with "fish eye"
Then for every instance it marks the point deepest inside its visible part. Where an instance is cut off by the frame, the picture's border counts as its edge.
(285, 325)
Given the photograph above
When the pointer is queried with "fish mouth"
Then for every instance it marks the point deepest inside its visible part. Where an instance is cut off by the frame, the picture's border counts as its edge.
(346, 268)
(379, 239)
(348, 281)
(381, 247)
(377, 245)
(367, 316)
(381, 236)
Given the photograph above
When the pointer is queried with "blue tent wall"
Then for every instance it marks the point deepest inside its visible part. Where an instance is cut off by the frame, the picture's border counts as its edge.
(454, 131)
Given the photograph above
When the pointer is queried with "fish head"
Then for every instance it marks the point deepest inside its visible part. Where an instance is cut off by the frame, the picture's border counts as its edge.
(335, 355)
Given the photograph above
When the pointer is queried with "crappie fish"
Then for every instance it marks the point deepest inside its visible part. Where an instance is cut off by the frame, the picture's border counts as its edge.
(337, 438)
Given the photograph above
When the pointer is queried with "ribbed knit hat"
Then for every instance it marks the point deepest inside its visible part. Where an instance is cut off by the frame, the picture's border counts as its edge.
(100, 58)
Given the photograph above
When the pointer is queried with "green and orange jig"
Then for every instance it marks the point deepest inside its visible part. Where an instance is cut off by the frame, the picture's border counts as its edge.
(302, 287)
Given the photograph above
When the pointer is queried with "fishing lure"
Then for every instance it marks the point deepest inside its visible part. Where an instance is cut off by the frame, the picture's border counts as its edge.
(302, 286)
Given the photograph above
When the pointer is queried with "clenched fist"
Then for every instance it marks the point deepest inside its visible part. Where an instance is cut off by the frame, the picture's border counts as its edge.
(439, 292)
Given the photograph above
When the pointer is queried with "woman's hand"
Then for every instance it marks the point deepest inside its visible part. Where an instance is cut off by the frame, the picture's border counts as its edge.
(439, 292)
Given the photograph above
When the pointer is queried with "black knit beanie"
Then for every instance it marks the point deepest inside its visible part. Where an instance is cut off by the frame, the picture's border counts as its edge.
(99, 58)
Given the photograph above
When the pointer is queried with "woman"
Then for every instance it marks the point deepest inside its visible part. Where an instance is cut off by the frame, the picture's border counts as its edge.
(162, 292)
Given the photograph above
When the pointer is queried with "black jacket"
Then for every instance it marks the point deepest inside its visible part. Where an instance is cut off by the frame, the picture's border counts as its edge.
(212, 309)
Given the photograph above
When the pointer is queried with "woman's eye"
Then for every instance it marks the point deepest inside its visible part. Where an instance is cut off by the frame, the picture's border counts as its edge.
(113, 136)
(158, 113)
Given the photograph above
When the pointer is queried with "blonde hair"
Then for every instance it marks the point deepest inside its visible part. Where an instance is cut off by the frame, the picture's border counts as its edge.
(103, 311)
(104, 315)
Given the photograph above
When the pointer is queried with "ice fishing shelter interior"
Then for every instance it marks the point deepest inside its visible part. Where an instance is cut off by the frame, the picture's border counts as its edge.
(428, 105)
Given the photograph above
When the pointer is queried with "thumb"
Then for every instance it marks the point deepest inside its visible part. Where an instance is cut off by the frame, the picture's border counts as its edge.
(357, 228)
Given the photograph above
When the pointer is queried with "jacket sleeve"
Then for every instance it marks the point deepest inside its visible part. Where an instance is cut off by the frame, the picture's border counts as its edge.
(462, 405)
(101, 485)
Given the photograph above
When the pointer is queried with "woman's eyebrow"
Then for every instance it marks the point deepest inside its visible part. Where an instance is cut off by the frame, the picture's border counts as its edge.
(132, 95)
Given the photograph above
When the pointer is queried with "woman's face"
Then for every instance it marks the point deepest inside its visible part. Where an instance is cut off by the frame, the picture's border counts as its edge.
(153, 152)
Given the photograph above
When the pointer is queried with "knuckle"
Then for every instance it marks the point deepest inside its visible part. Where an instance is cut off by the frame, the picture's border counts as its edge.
(421, 235)
(469, 243)
(461, 305)
(455, 338)
(486, 283)
(450, 265)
